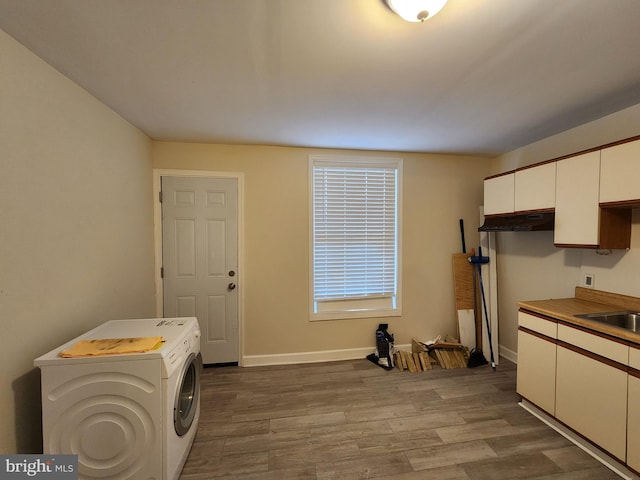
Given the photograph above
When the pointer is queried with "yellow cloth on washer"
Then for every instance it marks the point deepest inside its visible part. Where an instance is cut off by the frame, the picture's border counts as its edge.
(112, 346)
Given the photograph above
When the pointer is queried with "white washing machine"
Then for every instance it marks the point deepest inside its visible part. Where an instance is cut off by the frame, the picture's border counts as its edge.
(131, 416)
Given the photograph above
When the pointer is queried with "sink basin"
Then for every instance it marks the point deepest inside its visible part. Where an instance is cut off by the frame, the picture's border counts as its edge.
(627, 319)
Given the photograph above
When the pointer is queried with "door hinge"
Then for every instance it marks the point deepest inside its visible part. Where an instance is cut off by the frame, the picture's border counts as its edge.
(161, 272)
(160, 196)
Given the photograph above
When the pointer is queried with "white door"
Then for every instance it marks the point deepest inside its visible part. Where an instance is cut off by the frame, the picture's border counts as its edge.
(200, 259)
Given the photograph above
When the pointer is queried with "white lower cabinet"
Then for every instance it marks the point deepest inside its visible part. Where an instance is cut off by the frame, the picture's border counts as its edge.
(536, 380)
(633, 430)
(591, 398)
(588, 381)
(633, 415)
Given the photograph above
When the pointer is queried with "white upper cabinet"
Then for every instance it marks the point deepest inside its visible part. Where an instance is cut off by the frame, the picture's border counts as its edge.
(619, 169)
(535, 188)
(577, 218)
(592, 195)
(499, 194)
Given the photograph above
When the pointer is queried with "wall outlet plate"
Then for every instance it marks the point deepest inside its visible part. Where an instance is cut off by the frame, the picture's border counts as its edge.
(588, 280)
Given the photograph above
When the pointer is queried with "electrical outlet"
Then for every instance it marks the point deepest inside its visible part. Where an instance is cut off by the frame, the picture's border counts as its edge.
(588, 280)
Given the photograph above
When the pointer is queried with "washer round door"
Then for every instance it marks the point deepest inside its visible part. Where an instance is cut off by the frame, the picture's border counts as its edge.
(187, 395)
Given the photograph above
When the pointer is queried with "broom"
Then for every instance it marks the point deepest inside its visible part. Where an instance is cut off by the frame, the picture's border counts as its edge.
(479, 261)
(476, 357)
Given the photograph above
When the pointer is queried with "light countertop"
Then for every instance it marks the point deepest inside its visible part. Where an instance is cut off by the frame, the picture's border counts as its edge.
(587, 301)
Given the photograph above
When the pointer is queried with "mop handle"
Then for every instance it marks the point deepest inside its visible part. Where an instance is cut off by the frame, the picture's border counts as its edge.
(484, 304)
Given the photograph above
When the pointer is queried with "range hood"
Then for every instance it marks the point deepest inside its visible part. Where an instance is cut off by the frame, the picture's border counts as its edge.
(529, 222)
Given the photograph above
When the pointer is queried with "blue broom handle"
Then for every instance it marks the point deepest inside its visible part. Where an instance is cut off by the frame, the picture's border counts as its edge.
(484, 304)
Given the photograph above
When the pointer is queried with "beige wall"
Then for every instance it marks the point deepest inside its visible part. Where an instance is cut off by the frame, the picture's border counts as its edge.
(438, 190)
(77, 234)
(77, 243)
(529, 266)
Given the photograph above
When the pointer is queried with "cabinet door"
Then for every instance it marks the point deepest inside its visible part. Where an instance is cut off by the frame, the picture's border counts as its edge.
(633, 414)
(591, 398)
(536, 374)
(577, 206)
(619, 171)
(633, 427)
(618, 351)
(499, 194)
(535, 188)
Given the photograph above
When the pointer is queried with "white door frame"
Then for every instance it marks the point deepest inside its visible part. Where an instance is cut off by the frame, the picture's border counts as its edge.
(157, 238)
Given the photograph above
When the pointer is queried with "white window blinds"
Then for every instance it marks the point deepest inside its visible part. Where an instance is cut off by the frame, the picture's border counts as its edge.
(355, 230)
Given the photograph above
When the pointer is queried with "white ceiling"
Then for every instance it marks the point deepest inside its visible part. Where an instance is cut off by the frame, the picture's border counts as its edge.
(481, 77)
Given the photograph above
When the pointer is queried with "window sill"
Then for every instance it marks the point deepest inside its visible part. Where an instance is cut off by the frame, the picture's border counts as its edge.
(358, 308)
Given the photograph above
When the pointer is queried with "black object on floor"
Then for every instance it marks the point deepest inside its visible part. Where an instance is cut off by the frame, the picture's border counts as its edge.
(372, 357)
(476, 358)
(384, 348)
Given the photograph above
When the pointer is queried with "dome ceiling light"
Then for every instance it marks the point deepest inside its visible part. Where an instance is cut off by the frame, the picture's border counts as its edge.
(416, 10)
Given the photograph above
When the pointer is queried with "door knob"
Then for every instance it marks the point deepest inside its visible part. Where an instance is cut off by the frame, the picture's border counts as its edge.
(231, 286)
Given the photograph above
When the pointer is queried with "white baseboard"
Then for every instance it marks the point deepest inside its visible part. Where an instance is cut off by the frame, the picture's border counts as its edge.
(311, 357)
(608, 461)
(334, 355)
(509, 354)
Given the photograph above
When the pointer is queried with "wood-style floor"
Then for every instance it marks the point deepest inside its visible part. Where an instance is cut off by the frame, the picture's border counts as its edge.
(354, 420)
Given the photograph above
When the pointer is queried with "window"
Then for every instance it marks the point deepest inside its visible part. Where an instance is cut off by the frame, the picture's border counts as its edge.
(355, 237)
